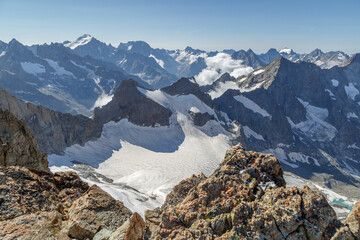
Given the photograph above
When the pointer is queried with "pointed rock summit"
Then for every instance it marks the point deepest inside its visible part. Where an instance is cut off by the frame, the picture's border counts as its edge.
(128, 102)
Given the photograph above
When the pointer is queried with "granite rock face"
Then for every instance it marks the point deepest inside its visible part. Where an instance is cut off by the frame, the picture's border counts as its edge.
(18, 145)
(245, 198)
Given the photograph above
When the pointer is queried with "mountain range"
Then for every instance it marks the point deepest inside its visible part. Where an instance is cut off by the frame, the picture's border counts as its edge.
(77, 76)
(153, 117)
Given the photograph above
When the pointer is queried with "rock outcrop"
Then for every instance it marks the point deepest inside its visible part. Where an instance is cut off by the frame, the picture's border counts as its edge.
(18, 146)
(54, 131)
(245, 198)
(93, 211)
(353, 221)
(128, 102)
(56, 206)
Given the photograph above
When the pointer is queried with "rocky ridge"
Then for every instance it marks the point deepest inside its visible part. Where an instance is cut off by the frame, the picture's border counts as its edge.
(246, 198)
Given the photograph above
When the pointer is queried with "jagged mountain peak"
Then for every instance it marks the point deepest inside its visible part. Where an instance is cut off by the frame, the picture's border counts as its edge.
(225, 77)
(186, 86)
(316, 52)
(189, 49)
(181, 86)
(272, 50)
(250, 51)
(15, 44)
(129, 83)
(140, 47)
(264, 76)
(82, 40)
(128, 102)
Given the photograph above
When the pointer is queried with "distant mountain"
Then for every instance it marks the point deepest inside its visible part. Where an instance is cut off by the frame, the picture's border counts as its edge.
(88, 45)
(249, 58)
(269, 56)
(161, 67)
(305, 115)
(53, 76)
(321, 59)
(133, 57)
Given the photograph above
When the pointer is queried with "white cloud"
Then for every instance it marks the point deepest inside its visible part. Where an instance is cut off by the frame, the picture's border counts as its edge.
(220, 64)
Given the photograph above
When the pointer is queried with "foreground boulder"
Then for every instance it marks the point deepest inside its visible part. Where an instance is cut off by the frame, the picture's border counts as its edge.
(245, 198)
(353, 221)
(54, 206)
(93, 211)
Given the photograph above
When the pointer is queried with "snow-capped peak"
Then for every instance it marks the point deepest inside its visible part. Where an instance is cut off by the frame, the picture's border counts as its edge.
(286, 50)
(83, 40)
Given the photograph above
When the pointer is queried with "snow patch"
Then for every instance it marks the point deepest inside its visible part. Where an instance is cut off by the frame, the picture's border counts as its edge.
(2, 53)
(194, 110)
(33, 68)
(58, 70)
(351, 115)
(221, 88)
(250, 133)
(258, 71)
(83, 40)
(251, 105)
(351, 91)
(299, 157)
(315, 126)
(353, 146)
(160, 62)
(281, 155)
(335, 82)
(102, 100)
(331, 94)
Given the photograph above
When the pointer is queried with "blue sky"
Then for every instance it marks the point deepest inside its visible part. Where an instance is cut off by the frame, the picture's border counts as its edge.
(210, 25)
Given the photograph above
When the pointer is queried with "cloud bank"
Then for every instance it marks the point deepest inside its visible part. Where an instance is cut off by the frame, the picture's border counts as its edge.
(218, 65)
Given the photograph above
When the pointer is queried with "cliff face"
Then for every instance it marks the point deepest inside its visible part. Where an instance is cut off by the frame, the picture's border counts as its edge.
(18, 145)
(245, 198)
(54, 131)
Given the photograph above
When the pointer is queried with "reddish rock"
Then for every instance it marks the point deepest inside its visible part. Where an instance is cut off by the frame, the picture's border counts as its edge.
(93, 211)
(353, 220)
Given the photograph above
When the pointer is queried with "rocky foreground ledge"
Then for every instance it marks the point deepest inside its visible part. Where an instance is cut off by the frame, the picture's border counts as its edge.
(245, 198)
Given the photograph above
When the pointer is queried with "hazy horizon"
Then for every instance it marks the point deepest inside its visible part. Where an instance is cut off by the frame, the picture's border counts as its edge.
(302, 26)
